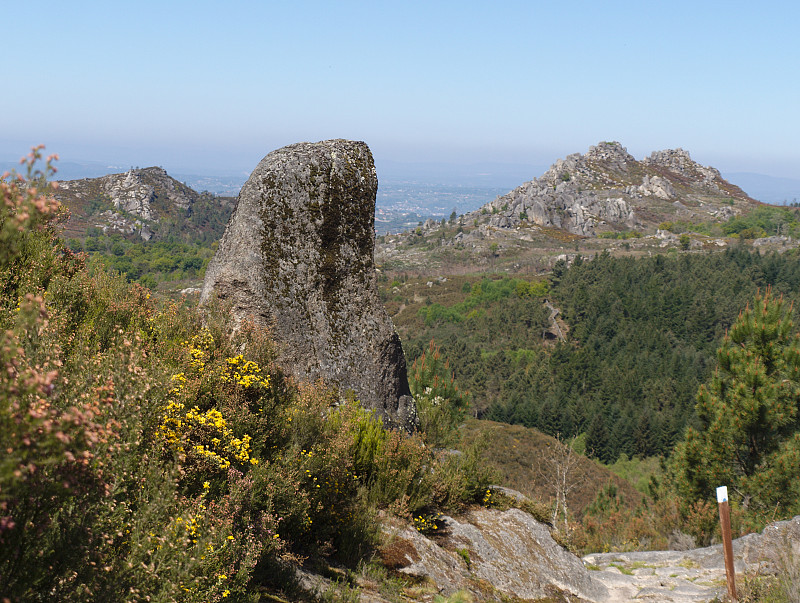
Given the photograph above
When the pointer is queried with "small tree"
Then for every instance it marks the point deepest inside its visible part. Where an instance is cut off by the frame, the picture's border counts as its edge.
(559, 466)
(440, 404)
(748, 437)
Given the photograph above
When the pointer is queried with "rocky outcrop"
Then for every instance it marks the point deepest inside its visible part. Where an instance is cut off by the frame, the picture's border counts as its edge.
(657, 186)
(607, 189)
(680, 162)
(133, 202)
(508, 550)
(297, 257)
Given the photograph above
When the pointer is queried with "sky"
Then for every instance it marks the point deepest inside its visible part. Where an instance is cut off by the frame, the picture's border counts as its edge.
(214, 86)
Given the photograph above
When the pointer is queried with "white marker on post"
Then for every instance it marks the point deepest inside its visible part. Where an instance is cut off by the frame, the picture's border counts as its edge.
(727, 544)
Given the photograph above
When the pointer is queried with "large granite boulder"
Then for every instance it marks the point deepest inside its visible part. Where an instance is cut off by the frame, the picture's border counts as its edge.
(297, 257)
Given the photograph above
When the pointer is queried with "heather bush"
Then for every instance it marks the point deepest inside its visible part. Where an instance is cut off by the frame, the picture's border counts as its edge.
(152, 452)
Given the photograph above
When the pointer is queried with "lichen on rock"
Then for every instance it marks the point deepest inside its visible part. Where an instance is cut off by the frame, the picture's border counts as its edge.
(297, 257)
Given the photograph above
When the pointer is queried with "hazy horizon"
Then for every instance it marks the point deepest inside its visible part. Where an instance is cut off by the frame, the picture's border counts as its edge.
(495, 177)
(196, 86)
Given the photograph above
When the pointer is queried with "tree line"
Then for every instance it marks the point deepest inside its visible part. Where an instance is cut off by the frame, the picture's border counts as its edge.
(643, 337)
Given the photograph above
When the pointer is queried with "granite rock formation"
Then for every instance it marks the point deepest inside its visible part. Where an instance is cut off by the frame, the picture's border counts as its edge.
(508, 550)
(297, 257)
(607, 189)
(134, 203)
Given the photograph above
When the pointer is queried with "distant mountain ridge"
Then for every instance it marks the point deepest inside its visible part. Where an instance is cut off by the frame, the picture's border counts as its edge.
(768, 189)
(607, 189)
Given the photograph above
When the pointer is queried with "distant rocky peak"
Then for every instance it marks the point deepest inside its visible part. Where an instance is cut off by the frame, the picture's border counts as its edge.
(680, 162)
(153, 172)
(610, 152)
(136, 201)
(608, 191)
(601, 162)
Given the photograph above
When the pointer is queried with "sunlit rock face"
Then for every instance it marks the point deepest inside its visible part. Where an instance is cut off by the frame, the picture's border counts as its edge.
(297, 257)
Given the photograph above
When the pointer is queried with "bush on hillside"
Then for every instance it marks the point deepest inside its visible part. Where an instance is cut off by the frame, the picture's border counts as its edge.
(151, 452)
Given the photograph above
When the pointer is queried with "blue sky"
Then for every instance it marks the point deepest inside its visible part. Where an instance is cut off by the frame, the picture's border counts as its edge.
(217, 85)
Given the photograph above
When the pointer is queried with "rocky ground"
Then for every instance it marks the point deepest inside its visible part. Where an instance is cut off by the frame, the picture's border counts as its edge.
(699, 574)
(658, 576)
(509, 556)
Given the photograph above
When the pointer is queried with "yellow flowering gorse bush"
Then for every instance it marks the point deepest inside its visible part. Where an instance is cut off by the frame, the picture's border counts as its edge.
(205, 434)
(245, 373)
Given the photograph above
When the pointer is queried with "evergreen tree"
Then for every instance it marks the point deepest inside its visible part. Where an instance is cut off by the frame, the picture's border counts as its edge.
(597, 440)
(748, 436)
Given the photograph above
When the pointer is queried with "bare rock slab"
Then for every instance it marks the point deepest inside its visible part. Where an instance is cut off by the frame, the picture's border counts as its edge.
(297, 257)
(509, 551)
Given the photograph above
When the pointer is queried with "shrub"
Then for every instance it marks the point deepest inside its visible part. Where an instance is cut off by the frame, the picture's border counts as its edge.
(440, 404)
(748, 418)
(152, 452)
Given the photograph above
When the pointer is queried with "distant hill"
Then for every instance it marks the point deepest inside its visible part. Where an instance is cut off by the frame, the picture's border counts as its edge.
(143, 203)
(586, 203)
(608, 190)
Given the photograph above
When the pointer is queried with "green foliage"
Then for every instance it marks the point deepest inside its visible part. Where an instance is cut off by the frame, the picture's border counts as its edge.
(153, 453)
(637, 471)
(440, 404)
(682, 226)
(483, 334)
(643, 335)
(481, 295)
(764, 221)
(150, 262)
(747, 437)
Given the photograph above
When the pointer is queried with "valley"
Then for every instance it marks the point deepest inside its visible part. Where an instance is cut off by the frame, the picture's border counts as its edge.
(579, 316)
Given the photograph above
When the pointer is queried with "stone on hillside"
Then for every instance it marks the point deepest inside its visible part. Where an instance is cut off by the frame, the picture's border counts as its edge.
(508, 550)
(297, 257)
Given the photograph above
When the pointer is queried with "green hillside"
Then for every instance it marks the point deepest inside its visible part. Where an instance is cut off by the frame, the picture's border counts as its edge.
(642, 338)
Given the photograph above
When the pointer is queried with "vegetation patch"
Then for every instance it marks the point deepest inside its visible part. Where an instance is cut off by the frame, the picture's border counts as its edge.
(154, 452)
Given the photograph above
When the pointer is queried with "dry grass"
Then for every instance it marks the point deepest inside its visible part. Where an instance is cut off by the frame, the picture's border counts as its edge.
(515, 452)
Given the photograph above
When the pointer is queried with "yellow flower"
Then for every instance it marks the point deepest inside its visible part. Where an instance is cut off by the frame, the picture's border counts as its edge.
(225, 593)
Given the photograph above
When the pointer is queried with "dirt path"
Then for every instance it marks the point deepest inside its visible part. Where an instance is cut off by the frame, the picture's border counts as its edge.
(656, 576)
(697, 575)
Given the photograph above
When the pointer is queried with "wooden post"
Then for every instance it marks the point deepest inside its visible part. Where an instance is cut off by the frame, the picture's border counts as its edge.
(727, 544)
